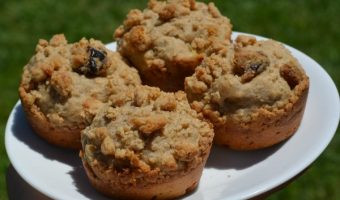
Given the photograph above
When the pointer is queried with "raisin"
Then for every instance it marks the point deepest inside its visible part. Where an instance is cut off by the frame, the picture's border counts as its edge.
(92, 66)
(94, 53)
(248, 64)
(255, 66)
(95, 63)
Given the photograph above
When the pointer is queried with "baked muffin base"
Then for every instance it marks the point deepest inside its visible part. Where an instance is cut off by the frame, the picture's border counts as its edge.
(61, 137)
(174, 187)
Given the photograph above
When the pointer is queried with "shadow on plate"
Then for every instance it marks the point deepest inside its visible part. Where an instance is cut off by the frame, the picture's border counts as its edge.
(83, 185)
(15, 183)
(24, 133)
(223, 158)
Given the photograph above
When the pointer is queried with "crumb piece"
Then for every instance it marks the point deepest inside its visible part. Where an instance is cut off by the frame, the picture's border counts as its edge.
(149, 124)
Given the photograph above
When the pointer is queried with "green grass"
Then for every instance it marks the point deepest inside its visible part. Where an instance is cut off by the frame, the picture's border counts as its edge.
(310, 26)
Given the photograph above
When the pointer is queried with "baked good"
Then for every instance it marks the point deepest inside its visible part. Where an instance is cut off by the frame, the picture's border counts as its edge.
(151, 146)
(64, 85)
(167, 40)
(254, 93)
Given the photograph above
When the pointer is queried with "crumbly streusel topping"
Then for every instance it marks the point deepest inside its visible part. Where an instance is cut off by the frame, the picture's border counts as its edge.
(68, 83)
(170, 38)
(150, 131)
(250, 75)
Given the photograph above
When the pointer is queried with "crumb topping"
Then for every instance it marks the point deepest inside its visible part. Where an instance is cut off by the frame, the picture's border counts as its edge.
(69, 82)
(152, 131)
(169, 38)
(253, 75)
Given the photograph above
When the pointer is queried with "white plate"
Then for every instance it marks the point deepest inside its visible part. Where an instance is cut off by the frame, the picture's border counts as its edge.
(228, 174)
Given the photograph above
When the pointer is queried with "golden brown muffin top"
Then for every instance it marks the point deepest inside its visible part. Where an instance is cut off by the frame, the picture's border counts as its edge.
(171, 37)
(150, 132)
(252, 75)
(69, 82)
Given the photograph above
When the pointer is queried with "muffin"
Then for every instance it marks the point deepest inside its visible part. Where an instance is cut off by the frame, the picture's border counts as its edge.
(167, 40)
(254, 93)
(151, 146)
(64, 85)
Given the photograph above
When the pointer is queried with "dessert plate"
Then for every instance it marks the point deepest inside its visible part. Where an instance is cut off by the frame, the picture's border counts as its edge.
(58, 173)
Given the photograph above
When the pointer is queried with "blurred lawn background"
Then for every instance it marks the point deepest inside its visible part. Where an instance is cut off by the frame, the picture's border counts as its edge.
(311, 26)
